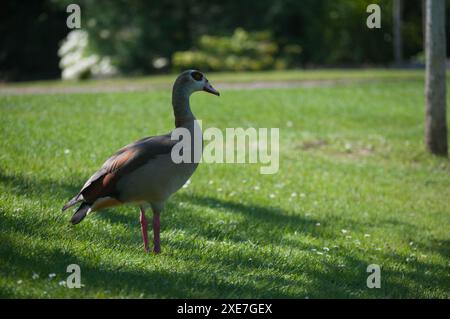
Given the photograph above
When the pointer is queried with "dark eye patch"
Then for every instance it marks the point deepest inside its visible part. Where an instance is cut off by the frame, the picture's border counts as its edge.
(197, 76)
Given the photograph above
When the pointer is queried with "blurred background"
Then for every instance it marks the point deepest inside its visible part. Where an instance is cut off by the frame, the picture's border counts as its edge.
(358, 115)
(141, 37)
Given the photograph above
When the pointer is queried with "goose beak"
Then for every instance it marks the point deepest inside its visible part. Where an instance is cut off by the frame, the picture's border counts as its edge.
(208, 88)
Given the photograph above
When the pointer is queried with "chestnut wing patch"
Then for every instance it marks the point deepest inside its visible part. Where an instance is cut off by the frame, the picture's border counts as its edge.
(103, 182)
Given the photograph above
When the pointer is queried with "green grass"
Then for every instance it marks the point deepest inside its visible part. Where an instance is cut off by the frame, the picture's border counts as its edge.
(366, 193)
(162, 81)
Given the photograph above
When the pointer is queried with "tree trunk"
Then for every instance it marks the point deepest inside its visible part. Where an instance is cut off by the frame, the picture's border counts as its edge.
(435, 86)
(424, 25)
(397, 31)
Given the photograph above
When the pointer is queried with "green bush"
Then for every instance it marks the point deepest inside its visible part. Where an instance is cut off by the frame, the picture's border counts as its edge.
(242, 51)
(141, 36)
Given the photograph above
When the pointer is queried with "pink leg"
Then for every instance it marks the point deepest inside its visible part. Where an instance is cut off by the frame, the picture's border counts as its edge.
(144, 224)
(156, 230)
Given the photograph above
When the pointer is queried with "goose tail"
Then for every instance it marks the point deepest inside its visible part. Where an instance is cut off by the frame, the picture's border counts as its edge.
(80, 213)
(75, 200)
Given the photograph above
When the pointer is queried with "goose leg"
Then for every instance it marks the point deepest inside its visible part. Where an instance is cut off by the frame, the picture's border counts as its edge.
(156, 230)
(144, 224)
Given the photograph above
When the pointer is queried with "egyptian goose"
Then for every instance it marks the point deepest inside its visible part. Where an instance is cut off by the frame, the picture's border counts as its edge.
(144, 172)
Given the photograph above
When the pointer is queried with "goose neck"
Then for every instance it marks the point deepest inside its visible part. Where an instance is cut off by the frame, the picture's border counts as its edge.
(181, 106)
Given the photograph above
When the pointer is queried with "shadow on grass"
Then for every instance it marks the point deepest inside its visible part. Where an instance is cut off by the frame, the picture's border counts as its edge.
(269, 274)
(101, 279)
(28, 186)
(267, 223)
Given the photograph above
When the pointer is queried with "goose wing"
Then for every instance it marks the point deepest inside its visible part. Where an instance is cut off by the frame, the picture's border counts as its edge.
(127, 159)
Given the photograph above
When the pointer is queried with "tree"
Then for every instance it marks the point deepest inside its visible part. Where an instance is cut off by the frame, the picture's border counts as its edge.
(397, 26)
(435, 86)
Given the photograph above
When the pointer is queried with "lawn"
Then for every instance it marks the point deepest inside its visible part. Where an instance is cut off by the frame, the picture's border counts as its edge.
(166, 81)
(354, 188)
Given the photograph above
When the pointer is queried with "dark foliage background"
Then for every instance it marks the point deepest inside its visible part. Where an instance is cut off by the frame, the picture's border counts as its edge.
(30, 32)
(135, 32)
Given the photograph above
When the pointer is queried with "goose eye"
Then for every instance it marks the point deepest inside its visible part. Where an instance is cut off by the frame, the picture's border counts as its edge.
(197, 76)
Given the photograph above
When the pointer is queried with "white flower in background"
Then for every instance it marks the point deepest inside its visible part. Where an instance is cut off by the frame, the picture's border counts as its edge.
(160, 63)
(78, 70)
(74, 41)
(70, 58)
(104, 68)
(76, 63)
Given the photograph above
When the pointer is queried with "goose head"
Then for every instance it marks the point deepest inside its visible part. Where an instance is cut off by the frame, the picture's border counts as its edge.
(194, 81)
